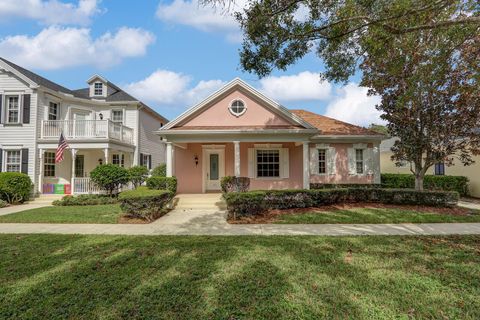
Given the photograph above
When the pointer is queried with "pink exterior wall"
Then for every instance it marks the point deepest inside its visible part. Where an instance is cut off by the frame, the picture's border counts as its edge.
(342, 176)
(218, 114)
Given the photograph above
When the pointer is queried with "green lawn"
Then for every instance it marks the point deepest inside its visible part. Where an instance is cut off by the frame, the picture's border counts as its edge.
(115, 277)
(68, 214)
(375, 215)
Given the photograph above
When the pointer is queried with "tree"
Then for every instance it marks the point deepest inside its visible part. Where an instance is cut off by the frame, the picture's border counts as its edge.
(110, 177)
(421, 56)
(378, 128)
(138, 175)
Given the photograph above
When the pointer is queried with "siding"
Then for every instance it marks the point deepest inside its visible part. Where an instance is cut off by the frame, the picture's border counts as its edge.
(148, 141)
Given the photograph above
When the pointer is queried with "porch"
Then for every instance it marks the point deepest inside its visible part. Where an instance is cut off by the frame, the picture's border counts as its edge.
(86, 130)
(72, 175)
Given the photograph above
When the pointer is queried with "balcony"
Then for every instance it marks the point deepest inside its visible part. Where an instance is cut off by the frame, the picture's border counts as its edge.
(86, 130)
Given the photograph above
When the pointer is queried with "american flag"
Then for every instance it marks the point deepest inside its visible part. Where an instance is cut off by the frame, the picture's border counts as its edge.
(62, 145)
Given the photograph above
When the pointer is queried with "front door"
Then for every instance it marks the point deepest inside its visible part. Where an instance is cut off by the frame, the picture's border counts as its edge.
(80, 124)
(215, 169)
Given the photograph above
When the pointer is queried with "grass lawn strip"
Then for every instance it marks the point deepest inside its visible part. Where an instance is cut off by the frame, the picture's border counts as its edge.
(102, 277)
(66, 214)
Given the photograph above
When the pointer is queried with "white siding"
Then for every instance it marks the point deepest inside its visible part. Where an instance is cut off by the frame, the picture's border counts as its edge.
(148, 141)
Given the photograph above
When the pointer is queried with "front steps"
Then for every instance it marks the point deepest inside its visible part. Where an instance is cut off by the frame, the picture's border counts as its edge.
(205, 201)
(46, 199)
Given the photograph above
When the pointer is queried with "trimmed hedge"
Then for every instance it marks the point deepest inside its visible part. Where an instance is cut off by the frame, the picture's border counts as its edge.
(85, 200)
(430, 182)
(343, 185)
(144, 203)
(235, 184)
(160, 171)
(255, 202)
(15, 187)
(162, 183)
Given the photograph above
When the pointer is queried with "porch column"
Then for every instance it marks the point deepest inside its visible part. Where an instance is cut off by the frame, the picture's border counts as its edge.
(106, 153)
(40, 172)
(72, 182)
(169, 159)
(306, 165)
(236, 145)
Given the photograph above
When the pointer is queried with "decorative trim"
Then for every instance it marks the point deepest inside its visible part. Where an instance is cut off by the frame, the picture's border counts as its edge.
(267, 146)
(234, 113)
(360, 146)
(213, 146)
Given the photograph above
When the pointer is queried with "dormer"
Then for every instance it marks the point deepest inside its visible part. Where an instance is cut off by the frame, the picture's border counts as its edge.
(98, 87)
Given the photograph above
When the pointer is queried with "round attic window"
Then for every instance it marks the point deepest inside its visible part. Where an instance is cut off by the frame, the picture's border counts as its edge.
(237, 107)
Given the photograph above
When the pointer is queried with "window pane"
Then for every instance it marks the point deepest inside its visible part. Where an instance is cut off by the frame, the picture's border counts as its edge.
(359, 160)
(53, 111)
(322, 164)
(13, 109)
(214, 166)
(13, 161)
(49, 164)
(117, 115)
(268, 163)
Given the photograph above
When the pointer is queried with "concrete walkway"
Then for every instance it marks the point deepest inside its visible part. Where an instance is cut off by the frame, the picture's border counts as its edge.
(209, 218)
(40, 202)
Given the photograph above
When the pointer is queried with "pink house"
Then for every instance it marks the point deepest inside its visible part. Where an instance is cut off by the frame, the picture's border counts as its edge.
(237, 131)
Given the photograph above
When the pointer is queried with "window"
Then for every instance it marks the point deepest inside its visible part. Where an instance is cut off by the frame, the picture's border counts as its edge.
(440, 169)
(53, 111)
(268, 163)
(145, 160)
(98, 89)
(118, 159)
(117, 116)
(322, 161)
(359, 160)
(80, 166)
(14, 161)
(49, 164)
(13, 109)
(237, 108)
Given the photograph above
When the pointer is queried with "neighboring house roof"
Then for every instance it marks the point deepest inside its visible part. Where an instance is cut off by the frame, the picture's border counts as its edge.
(118, 94)
(330, 126)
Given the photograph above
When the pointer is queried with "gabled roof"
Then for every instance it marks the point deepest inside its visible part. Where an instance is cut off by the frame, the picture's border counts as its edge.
(334, 127)
(271, 104)
(116, 96)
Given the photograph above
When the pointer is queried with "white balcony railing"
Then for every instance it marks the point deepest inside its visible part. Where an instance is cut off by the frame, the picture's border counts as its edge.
(86, 186)
(86, 129)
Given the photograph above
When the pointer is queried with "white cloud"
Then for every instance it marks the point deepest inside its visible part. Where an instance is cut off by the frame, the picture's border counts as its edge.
(57, 47)
(50, 11)
(203, 17)
(352, 105)
(171, 88)
(300, 87)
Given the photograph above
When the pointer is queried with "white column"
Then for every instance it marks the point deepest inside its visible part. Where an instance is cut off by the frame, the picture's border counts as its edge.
(169, 159)
(106, 153)
(236, 145)
(306, 166)
(41, 153)
(72, 182)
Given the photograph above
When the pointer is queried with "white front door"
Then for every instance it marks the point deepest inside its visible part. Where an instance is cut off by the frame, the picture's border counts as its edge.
(80, 124)
(214, 168)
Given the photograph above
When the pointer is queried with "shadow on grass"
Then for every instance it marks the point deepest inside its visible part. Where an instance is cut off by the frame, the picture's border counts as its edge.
(87, 277)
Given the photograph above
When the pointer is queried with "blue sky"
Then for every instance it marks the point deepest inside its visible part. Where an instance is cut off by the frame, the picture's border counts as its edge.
(170, 54)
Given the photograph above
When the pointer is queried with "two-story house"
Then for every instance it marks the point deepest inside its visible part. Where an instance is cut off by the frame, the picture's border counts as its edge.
(101, 124)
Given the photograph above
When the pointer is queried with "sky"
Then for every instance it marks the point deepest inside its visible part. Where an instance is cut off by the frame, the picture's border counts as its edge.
(169, 54)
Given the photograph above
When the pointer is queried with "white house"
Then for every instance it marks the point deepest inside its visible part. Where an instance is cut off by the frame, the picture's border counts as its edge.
(101, 123)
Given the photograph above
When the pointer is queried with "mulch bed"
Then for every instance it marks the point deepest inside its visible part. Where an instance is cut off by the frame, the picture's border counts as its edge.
(272, 215)
(128, 220)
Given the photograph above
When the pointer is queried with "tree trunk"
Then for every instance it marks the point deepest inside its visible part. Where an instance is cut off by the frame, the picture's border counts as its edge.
(419, 181)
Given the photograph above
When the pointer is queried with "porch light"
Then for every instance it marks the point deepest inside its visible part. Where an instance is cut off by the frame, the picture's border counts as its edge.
(100, 115)
(100, 161)
(196, 160)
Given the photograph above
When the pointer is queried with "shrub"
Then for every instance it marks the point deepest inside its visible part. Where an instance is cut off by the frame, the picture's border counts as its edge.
(235, 184)
(160, 171)
(162, 183)
(255, 202)
(144, 203)
(3, 204)
(430, 182)
(15, 187)
(85, 200)
(138, 175)
(342, 185)
(109, 177)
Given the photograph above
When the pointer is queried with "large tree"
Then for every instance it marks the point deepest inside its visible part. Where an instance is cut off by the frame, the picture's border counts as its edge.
(420, 56)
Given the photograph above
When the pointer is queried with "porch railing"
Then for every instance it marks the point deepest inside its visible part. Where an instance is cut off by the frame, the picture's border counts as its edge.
(86, 129)
(86, 186)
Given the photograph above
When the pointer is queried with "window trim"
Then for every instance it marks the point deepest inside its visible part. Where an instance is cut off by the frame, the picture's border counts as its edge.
(5, 156)
(237, 114)
(57, 115)
(325, 150)
(280, 166)
(45, 164)
(121, 159)
(357, 161)
(146, 160)
(7, 107)
(441, 169)
(116, 110)
(95, 89)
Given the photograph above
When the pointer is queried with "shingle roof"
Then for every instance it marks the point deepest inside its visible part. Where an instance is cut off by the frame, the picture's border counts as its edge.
(330, 126)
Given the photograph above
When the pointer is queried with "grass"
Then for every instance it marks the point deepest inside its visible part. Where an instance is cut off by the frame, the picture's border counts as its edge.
(66, 214)
(375, 215)
(119, 277)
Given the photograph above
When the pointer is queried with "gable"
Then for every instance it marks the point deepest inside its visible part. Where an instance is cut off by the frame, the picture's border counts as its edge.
(9, 82)
(217, 114)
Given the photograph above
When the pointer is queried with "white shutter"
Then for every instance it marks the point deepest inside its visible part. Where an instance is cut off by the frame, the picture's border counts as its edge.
(351, 161)
(368, 160)
(251, 163)
(313, 161)
(331, 161)
(284, 163)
